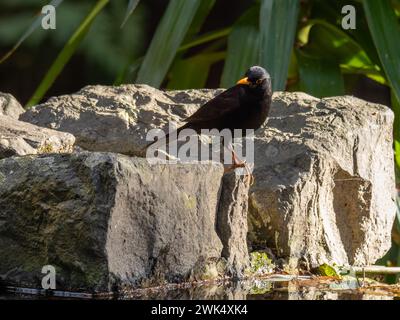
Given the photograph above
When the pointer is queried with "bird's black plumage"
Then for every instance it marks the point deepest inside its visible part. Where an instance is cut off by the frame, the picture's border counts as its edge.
(243, 106)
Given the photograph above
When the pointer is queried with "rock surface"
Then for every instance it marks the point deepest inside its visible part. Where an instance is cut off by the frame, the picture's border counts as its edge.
(21, 138)
(9, 106)
(232, 222)
(324, 177)
(324, 190)
(115, 119)
(105, 221)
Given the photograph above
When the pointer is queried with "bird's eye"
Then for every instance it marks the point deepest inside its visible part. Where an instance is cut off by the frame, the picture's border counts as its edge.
(259, 81)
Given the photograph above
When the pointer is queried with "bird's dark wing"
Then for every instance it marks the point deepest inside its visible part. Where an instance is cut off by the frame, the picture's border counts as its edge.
(223, 104)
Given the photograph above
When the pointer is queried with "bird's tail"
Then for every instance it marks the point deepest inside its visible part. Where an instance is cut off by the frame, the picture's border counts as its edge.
(165, 138)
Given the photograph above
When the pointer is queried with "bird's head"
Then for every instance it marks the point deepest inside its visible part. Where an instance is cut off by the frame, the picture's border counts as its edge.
(256, 78)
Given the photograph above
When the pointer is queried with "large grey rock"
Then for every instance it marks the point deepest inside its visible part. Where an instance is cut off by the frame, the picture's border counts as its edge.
(9, 106)
(21, 138)
(324, 187)
(324, 180)
(115, 119)
(106, 221)
(232, 222)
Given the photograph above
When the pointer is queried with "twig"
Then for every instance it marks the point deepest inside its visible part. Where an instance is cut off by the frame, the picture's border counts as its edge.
(376, 269)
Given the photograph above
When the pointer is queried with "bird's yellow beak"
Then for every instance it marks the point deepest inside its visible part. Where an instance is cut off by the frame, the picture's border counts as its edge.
(244, 81)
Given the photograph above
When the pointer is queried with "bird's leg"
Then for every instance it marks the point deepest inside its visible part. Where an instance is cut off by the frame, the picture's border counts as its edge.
(237, 163)
(243, 164)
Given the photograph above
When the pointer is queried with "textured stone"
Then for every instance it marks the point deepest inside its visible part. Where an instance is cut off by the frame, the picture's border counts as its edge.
(232, 222)
(324, 187)
(115, 119)
(105, 221)
(21, 138)
(9, 106)
(324, 177)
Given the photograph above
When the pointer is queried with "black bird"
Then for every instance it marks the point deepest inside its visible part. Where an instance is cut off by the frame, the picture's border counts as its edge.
(243, 106)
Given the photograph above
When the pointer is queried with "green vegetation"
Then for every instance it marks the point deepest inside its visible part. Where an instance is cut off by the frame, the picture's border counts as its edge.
(260, 264)
(46, 148)
(66, 53)
(328, 271)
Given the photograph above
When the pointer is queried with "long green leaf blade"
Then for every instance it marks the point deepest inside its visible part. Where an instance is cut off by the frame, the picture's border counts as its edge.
(278, 23)
(192, 73)
(131, 7)
(396, 109)
(133, 65)
(204, 38)
(398, 218)
(396, 133)
(35, 24)
(165, 43)
(323, 39)
(265, 19)
(320, 77)
(332, 41)
(66, 54)
(243, 44)
(201, 15)
(385, 32)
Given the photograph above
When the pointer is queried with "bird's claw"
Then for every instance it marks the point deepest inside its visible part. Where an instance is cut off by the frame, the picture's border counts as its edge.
(242, 165)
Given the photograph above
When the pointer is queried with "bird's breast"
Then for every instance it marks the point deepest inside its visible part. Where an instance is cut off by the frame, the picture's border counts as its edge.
(253, 115)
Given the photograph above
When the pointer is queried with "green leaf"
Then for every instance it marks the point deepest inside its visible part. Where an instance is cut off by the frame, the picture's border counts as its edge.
(397, 152)
(35, 24)
(21, 3)
(396, 129)
(329, 40)
(193, 72)
(166, 41)
(330, 12)
(134, 65)
(128, 72)
(396, 110)
(131, 7)
(260, 263)
(385, 32)
(207, 37)
(362, 36)
(66, 54)
(323, 39)
(327, 270)
(243, 44)
(369, 72)
(278, 24)
(319, 77)
(201, 15)
(398, 215)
